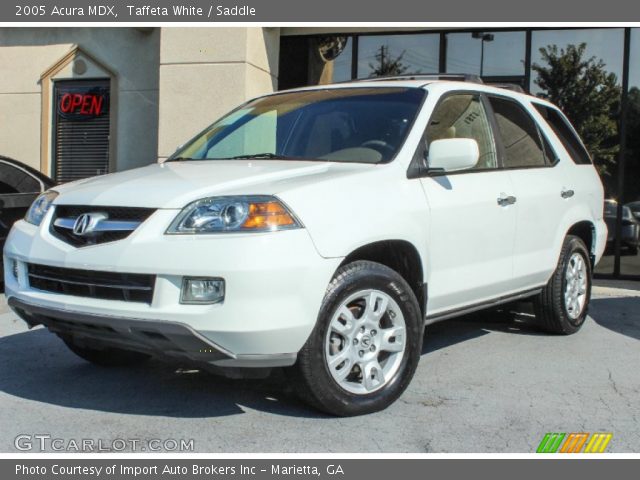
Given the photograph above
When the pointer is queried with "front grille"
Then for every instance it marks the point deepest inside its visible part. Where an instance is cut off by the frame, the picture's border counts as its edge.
(72, 212)
(128, 287)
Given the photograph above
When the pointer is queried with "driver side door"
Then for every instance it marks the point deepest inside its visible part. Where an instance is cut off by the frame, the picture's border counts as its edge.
(472, 219)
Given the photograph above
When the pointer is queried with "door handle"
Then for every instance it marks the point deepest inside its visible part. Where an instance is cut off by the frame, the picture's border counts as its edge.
(505, 201)
(567, 193)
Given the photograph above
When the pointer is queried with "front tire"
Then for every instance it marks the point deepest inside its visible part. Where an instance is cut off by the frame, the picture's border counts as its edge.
(108, 356)
(563, 304)
(366, 344)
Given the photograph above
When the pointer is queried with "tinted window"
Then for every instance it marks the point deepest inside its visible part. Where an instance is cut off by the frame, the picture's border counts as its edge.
(314, 60)
(14, 180)
(519, 134)
(487, 53)
(563, 130)
(384, 55)
(365, 125)
(464, 116)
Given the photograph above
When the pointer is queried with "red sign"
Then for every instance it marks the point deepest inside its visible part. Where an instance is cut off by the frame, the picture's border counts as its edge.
(88, 104)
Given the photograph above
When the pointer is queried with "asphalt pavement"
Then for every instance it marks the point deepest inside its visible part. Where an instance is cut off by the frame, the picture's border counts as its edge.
(489, 382)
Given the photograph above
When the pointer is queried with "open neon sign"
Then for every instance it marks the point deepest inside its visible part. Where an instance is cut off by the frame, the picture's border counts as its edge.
(82, 104)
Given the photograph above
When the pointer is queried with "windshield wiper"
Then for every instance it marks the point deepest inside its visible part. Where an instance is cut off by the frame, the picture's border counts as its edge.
(267, 155)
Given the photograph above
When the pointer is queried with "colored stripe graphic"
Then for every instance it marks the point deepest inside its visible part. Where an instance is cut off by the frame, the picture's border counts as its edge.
(574, 442)
(550, 443)
(598, 442)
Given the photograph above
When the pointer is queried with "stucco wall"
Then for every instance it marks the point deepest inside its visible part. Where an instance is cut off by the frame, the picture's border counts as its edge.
(205, 72)
(132, 54)
(172, 82)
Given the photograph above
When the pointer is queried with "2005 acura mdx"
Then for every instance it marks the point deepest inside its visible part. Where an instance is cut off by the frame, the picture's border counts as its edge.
(320, 229)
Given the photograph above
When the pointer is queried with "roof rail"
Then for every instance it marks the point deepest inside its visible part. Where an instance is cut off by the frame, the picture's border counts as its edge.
(461, 77)
(509, 86)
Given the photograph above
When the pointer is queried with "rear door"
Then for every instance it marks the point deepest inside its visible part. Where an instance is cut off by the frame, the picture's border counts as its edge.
(539, 183)
(472, 220)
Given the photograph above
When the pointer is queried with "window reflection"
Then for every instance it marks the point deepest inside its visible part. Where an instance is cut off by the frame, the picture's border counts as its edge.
(503, 55)
(629, 260)
(330, 60)
(602, 43)
(314, 60)
(384, 55)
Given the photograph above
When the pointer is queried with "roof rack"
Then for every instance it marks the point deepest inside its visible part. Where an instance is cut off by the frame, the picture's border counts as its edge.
(462, 77)
(509, 86)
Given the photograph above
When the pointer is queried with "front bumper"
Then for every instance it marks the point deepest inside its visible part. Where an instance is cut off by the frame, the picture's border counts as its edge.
(155, 337)
(275, 283)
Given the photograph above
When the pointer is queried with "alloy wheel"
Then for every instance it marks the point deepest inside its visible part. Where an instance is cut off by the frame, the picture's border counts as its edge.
(575, 294)
(365, 342)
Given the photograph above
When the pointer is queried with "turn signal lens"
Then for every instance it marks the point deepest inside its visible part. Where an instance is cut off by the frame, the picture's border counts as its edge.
(268, 216)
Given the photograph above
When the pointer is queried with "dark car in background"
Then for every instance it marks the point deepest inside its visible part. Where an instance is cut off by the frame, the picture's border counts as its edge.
(635, 209)
(630, 234)
(19, 186)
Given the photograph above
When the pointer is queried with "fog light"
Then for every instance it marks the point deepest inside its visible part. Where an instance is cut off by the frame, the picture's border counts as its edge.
(202, 290)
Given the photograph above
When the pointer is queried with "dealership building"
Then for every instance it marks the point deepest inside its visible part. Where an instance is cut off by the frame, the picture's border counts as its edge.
(78, 102)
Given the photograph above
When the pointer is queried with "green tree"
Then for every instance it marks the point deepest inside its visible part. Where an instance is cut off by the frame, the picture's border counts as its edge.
(387, 65)
(589, 96)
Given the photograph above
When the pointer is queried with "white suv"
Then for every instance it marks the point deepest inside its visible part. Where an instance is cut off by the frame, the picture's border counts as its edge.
(320, 229)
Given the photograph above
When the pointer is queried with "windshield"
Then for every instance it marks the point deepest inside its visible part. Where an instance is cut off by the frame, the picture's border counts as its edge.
(366, 125)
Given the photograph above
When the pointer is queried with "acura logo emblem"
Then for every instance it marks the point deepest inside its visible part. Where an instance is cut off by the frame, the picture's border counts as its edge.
(86, 223)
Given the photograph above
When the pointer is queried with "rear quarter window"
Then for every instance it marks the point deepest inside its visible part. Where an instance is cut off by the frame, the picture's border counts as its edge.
(565, 133)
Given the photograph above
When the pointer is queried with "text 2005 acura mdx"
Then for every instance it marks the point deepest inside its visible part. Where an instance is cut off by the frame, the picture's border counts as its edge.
(320, 229)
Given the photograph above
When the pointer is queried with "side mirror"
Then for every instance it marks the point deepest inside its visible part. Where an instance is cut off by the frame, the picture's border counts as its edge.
(453, 154)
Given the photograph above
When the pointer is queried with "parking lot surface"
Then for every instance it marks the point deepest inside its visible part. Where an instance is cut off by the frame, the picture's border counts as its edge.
(489, 382)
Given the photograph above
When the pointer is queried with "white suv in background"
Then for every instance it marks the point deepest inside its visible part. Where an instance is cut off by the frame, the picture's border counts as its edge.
(320, 229)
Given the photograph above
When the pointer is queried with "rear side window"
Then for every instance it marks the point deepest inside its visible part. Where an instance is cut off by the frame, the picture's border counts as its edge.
(520, 136)
(563, 130)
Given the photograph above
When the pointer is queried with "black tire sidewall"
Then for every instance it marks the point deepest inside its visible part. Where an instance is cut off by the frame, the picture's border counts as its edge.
(574, 245)
(365, 276)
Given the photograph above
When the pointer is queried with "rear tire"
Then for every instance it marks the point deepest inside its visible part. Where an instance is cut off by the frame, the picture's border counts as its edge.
(108, 356)
(562, 306)
(366, 344)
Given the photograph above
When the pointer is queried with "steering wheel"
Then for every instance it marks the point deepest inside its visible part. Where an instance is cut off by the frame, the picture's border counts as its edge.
(386, 149)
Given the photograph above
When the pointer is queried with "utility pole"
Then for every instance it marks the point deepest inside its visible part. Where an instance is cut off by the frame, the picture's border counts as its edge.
(484, 37)
(382, 55)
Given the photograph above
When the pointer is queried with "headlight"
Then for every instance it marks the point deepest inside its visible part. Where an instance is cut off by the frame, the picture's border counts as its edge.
(40, 207)
(234, 214)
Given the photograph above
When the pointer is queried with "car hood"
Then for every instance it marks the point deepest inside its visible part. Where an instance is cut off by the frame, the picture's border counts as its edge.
(175, 184)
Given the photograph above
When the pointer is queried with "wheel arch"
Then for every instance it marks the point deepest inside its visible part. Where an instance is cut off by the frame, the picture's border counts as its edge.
(401, 256)
(586, 231)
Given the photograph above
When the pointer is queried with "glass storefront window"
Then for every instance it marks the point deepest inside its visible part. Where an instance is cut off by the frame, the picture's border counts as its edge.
(315, 60)
(384, 55)
(503, 55)
(602, 43)
(330, 59)
(630, 235)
